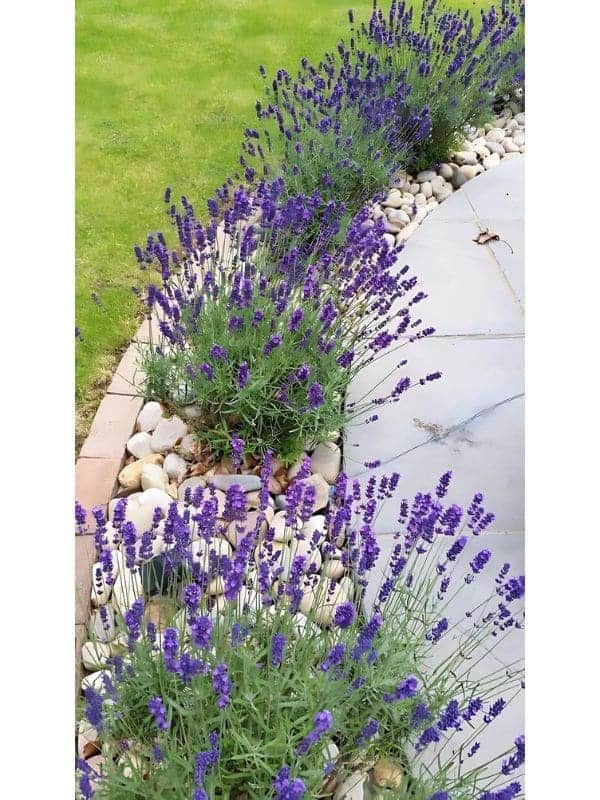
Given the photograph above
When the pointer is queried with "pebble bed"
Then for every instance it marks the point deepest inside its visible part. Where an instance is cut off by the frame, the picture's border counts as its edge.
(163, 461)
(412, 197)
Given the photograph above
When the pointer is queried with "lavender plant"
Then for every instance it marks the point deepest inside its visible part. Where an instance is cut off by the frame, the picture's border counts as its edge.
(252, 676)
(397, 95)
(456, 66)
(263, 337)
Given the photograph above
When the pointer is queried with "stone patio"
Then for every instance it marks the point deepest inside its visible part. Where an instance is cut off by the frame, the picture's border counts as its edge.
(471, 420)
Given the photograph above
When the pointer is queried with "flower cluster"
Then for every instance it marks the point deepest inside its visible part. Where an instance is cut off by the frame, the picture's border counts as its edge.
(261, 666)
(455, 64)
(263, 336)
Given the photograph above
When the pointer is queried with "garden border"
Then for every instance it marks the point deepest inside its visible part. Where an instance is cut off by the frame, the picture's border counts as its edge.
(100, 460)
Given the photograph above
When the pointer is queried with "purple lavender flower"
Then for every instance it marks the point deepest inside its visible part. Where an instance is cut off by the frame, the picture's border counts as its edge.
(207, 371)
(345, 614)
(287, 788)
(218, 353)
(201, 630)
(420, 714)
(370, 729)
(278, 644)
(192, 595)
(440, 796)
(364, 642)
(237, 451)
(429, 736)
(472, 709)
(450, 717)
(480, 560)
(494, 710)
(93, 708)
(303, 372)
(507, 793)
(456, 549)
(405, 690)
(157, 753)
(80, 517)
(243, 375)
(316, 398)
(334, 657)
(205, 760)
(321, 724)
(435, 634)
(236, 503)
(295, 319)
(221, 685)
(272, 344)
(158, 710)
(517, 758)
(170, 646)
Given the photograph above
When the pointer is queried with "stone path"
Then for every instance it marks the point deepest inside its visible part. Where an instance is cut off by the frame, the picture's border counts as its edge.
(471, 420)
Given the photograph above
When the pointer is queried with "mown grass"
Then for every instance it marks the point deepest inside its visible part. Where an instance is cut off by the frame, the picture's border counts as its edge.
(163, 92)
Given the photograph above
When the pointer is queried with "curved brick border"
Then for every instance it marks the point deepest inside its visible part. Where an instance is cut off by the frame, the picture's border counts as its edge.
(100, 460)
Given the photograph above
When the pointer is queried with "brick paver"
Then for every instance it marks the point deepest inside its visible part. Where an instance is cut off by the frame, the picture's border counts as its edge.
(95, 481)
(112, 426)
(85, 556)
(128, 376)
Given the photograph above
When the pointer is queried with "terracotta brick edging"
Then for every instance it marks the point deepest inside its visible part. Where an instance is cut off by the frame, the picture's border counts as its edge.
(96, 471)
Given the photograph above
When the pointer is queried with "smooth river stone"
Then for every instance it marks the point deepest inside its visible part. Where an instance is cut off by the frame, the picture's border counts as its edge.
(398, 217)
(94, 655)
(393, 200)
(130, 476)
(239, 530)
(127, 586)
(139, 445)
(167, 433)
(140, 509)
(154, 477)
(426, 175)
(175, 466)
(103, 630)
(352, 788)
(149, 416)
(326, 460)
(249, 483)
(283, 531)
(326, 602)
(465, 157)
(192, 483)
(495, 135)
(491, 161)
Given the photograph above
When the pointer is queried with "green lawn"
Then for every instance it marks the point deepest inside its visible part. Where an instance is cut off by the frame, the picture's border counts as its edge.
(164, 91)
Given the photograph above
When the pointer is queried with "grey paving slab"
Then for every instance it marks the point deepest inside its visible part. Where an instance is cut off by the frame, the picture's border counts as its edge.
(500, 665)
(508, 252)
(499, 193)
(458, 210)
(477, 375)
(471, 420)
(467, 291)
(485, 455)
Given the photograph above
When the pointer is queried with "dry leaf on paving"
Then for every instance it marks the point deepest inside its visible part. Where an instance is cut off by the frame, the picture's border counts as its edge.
(486, 236)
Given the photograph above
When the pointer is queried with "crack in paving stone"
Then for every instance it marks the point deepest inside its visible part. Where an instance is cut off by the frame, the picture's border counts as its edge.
(439, 433)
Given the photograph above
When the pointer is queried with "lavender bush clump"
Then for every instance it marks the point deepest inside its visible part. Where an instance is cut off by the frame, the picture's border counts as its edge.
(246, 696)
(456, 64)
(264, 339)
(396, 95)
